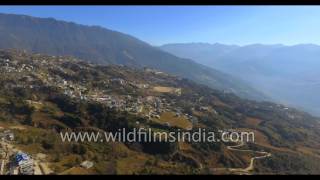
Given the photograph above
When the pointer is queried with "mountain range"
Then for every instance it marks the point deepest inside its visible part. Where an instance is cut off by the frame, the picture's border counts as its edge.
(287, 74)
(103, 46)
(59, 76)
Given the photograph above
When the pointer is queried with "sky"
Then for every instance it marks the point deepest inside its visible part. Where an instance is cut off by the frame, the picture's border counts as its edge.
(159, 25)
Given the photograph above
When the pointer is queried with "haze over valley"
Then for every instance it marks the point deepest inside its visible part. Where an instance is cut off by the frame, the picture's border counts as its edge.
(287, 74)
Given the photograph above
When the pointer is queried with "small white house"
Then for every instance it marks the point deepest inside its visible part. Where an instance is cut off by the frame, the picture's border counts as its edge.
(87, 164)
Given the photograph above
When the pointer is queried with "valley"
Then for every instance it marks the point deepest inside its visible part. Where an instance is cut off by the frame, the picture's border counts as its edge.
(43, 95)
(286, 74)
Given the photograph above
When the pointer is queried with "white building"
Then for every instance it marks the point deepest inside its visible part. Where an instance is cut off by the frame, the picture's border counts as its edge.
(87, 164)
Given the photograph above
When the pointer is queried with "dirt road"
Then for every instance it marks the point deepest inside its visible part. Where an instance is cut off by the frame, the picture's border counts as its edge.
(248, 169)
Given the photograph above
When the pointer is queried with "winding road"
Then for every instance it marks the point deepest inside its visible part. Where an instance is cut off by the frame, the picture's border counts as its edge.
(248, 169)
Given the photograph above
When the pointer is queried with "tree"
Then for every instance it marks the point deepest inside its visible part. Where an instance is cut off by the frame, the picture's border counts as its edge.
(79, 149)
(46, 144)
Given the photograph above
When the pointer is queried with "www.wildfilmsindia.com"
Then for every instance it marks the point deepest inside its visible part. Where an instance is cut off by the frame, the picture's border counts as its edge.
(147, 135)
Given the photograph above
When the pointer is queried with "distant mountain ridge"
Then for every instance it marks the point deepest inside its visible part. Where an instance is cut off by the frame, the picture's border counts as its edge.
(103, 46)
(288, 74)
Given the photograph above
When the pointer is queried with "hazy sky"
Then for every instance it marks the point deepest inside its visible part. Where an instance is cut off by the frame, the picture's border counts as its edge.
(170, 24)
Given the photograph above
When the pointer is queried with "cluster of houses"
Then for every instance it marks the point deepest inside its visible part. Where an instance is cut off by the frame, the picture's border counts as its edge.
(154, 105)
(121, 103)
(73, 91)
(25, 67)
(25, 163)
(150, 106)
(13, 66)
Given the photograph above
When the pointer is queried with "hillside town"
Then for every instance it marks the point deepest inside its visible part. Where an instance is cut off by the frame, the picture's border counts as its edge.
(150, 106)
(55, 71)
